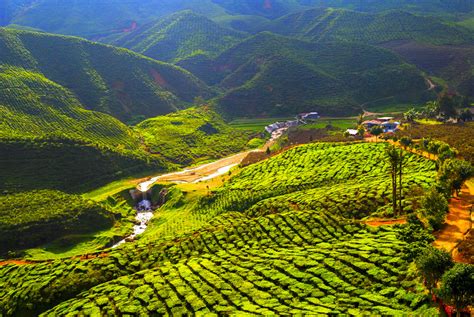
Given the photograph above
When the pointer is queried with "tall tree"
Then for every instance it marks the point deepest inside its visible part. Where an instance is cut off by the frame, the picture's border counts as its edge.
(401, 158)
(376, 131)
(432, 263)
(394, 160)
(447, 106)
(457, 286)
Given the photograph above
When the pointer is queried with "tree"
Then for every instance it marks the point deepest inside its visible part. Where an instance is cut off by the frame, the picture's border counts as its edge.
(432, 263)
(410, 115)
(431, 109)
(457, 286)
(393, 159)
(360, 119)
(453, 173)
(360, 131)
(465, 115)
(405, 142)
(447, 106)
(376, 131)
(435, 206)
(401, 158)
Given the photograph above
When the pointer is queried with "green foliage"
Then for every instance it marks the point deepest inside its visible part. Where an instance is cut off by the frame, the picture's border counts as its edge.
(457, 286)
(34, 218)
(190, 135)
(416, 235)
(432, 263)
(435, 207)
(453, 173)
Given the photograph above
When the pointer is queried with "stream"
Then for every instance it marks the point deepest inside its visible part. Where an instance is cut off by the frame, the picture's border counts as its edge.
(208, 171)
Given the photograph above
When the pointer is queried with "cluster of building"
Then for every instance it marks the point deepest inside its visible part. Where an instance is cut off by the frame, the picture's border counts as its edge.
(387, 123)
(302, 118)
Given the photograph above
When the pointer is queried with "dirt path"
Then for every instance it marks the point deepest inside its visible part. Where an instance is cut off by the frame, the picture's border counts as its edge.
(458, 221)
(16, 262)
(207, 171)
(385, 222)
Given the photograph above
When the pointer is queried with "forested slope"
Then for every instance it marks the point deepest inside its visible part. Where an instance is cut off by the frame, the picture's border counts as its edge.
(268, 74)
(370, 28)
(177, 36)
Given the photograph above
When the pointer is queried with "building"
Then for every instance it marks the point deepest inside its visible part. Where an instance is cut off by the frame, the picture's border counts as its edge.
(390, 127)
(352, 132)
(308, 116)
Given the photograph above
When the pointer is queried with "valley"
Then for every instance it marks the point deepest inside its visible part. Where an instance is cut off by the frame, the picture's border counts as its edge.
(222, 157)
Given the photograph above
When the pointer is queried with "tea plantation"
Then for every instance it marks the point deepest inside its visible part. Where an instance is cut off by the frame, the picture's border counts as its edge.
(349, 180)
(289, 246)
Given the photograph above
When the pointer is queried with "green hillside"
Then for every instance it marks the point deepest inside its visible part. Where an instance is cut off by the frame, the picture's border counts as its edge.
(48, 140)
(191, 135)
(178, 36)
(94, 20)
(105, 79)
(331, 24)
(270, 75)
(450, 66)
(306, 255)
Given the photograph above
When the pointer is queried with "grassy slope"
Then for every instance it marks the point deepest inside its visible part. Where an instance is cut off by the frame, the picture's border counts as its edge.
(191, 135)
(106, 79)
(276, 76)
(330, 24)
(178, 36)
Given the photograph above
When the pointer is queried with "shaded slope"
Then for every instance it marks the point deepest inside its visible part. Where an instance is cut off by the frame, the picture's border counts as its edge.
(453, 64)
(330, 24)
(106, 79)
(177, 36)
(275, 75)
(48, 140)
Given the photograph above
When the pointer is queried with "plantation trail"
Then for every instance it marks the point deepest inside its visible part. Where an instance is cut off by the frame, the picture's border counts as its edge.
(385, 222)
(458, 222)
(207, 171)
(16, 262)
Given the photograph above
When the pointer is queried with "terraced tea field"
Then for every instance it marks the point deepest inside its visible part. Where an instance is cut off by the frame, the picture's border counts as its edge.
(280, 238)
(351, 180)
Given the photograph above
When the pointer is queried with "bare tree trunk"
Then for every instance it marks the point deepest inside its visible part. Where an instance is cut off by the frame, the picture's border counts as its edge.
(400, 188)
(394, 189)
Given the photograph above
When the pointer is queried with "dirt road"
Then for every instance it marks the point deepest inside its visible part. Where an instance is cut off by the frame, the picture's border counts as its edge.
(458, 221)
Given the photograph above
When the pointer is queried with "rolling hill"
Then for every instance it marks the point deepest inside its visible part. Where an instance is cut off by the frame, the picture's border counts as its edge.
(370, 28)
(114, 81)
(269, 75)
(178, 36)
